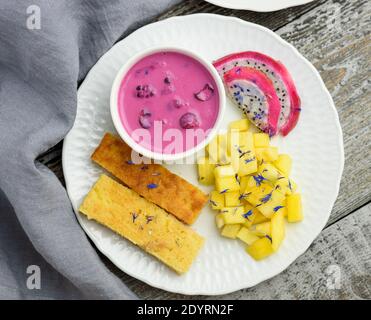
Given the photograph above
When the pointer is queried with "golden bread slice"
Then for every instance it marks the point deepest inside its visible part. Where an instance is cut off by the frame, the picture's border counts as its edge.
(143, 223)
(152, 181)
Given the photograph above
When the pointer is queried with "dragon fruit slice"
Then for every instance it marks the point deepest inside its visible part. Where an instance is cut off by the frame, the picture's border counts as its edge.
(254, 93)
(278, 74)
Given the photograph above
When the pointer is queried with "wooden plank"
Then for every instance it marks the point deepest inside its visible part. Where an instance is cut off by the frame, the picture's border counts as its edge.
(343, 249)
(53, 160)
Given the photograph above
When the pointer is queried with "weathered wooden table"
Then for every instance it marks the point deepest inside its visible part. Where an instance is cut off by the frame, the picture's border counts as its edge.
(335, 36)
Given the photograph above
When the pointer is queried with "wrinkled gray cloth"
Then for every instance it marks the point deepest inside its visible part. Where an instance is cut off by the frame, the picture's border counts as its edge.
(41, 62)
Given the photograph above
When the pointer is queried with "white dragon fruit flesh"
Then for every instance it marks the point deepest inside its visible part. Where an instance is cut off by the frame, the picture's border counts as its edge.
(254, 93)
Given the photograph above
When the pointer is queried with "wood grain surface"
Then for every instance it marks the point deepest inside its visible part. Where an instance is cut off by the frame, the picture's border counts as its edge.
(335, 37)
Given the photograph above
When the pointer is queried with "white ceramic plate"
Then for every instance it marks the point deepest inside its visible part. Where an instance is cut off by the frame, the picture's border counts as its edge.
(315, 145)
(258, 5)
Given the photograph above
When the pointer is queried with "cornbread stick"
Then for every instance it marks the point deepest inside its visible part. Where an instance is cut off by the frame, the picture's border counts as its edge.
(143, 223)
(152, 181)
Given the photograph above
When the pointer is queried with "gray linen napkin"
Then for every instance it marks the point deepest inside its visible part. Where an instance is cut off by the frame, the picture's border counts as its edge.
(46, 48)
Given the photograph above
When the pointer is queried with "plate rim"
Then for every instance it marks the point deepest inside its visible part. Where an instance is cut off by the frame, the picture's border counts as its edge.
(261, 7)
(284, 266)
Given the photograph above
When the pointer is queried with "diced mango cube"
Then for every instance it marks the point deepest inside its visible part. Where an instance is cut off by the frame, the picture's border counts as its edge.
(262, 229)
(223, 141)
(271, 203)
(212, 150)
(223, 151)
(284, 210)
(242, 152)
(254, 181)
(259, 218)
(283, 164)
(243, 183)
(240, 141)
(230, 230)
(247, 165)
(269, 171)
(246, 236)
(246, 140)
(244, 162)
(232, 199)
(294, 208)
(240, 125)
(267, 154)
(277, 229)
(205, 171)
(249, 215)
(219, 221)
(256, 194)
(281, 208)
(285, 185)
(260, 249)
(217, 200)
(233, 140)
(227, 184)
(259, 154)
(261, 140)
(224, 171)
(233, 215)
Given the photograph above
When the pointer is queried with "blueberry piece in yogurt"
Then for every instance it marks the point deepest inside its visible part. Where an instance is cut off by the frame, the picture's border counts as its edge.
(145, 118)
(145, 91)
(169, 77)
(145, 122)
(206, 93)
(145, 112)
(189, 121)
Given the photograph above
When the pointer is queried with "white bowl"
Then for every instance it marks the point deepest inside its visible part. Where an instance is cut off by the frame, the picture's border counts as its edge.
(115, 110)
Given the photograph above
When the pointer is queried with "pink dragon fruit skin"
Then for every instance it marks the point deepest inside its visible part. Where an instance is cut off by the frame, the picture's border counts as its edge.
(254, 93)
(278, 74)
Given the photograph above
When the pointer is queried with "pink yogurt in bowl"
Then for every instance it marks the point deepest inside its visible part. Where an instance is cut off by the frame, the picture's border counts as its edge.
(167, 103)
